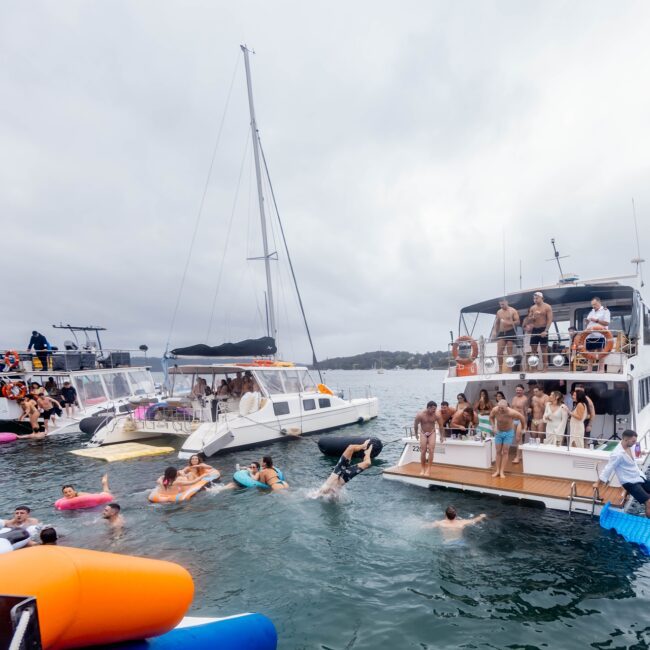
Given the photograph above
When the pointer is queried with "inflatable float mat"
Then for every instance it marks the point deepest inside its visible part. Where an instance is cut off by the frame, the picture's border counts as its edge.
(185, 495)
(242, 632)
(92, 424)
(89, 598)
(244, 479)
(335, 445)
(122, 451)
(5, 436)
(633, 528)
(84, 501)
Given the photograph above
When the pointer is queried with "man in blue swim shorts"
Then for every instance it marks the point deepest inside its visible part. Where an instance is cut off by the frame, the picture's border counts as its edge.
(502, 419)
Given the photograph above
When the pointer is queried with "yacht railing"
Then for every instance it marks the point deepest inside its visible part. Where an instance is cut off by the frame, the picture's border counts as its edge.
(65, 360)
(561, 356)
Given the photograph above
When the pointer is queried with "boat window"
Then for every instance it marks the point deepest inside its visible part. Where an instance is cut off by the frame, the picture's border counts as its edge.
(644, 392)
(646, 326)
(309, 404)
(308, 383)
(182, 385)
(116, 385)
(611, 401)
(271, 381)
(281, 408)
(292, 383)
(142, 382)
(90, 389)
(324, 402)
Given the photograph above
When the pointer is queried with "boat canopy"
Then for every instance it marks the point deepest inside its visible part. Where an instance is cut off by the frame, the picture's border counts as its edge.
(555, 296)
(262, 347)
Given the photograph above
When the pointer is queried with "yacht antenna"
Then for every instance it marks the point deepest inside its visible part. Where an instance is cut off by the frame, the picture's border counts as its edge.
(557, 257)
(267, 257)
(638, 260)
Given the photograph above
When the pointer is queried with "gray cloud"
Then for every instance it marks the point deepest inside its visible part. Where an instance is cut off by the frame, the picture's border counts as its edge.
(403, 141)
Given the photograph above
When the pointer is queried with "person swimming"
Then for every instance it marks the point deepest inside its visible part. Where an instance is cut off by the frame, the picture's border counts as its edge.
(70, 493)
(196, 468)
(270, 475)
(344, 471)
(451, 526)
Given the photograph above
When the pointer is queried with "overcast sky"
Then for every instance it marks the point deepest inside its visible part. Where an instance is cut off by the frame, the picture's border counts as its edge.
(404, 139)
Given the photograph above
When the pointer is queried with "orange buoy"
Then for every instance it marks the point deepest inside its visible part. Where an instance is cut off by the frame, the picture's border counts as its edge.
(90, 597)
(464, 350)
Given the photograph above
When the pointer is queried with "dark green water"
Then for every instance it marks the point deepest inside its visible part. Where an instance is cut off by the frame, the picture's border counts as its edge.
(361, 573)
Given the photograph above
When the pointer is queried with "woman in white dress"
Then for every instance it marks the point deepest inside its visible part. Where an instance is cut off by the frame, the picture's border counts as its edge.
(578, 417)
(555, 416)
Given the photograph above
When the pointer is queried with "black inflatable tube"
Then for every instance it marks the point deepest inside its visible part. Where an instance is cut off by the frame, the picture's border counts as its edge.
(15, 535)
(335, 445)
(90, 425)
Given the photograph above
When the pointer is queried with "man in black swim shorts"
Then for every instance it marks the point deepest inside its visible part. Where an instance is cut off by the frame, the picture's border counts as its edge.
(538, 322)
(344, 470)
(504, 330)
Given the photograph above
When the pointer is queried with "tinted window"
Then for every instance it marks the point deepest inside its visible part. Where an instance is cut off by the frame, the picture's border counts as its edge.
(324, 402)
(281, 408)
(309, 404)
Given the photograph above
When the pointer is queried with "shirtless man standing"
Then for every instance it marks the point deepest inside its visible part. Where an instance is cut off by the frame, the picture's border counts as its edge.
(538, 321)
(506, 321)
(445, 413)
(520, 404)
(502, 420)
(424, 428)
(537, 406)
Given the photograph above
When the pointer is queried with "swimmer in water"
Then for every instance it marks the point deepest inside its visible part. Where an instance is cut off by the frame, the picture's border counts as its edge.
(451, 526)
(196, 468)
(171, 483)
(344, 471)
(111, 514)
(270, 475)
(21, 518)
(70, 493)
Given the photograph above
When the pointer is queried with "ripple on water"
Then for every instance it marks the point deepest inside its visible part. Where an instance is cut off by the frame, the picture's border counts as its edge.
(360, 572)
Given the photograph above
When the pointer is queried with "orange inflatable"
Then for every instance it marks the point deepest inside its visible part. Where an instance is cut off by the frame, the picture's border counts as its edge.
(90, 598)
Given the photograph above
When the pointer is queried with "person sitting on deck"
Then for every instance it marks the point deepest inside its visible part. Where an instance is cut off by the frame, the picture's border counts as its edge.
(502, 419)
(69, 395)
(424, 429)
(51, 387)
(344, 471)
(451, 526)
(623, 464)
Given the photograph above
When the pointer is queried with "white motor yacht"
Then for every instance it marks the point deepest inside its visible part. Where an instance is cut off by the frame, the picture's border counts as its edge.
(561, 474)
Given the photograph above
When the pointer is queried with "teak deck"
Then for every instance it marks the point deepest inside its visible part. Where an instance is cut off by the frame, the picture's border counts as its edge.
(515, 481)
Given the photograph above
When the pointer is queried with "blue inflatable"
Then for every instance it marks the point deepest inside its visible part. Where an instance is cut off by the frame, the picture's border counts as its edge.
(243, 478)
(242, 632)
(632, 527)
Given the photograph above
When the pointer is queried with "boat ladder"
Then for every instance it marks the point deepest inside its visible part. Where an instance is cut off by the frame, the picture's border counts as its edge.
(574, 498)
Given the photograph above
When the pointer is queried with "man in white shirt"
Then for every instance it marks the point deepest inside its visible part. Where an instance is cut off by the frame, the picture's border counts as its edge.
(622, 463)
(598, 318)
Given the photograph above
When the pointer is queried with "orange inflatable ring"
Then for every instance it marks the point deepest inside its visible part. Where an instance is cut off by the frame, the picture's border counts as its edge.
(581, 343)
(324, 389)
(14, 390)
(459, 348)
(136, 598)
(12, 360)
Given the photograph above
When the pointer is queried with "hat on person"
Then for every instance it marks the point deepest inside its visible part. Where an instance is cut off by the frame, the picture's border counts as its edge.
(538, 294)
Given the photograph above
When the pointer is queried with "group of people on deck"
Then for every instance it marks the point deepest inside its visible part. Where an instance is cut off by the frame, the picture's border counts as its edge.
(46, 403)
(236, 386)
(536, 326)
(547, 418)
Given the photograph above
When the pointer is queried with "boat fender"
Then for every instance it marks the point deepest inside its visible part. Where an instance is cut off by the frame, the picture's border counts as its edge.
(335, 445)
(84, 501)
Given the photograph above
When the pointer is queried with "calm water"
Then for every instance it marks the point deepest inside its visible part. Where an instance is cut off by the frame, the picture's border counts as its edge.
(361, 573)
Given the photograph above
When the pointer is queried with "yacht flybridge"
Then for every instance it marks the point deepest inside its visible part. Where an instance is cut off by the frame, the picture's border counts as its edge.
(612, 364)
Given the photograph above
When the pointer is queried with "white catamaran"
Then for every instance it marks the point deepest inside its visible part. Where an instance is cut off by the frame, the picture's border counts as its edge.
(282, 399)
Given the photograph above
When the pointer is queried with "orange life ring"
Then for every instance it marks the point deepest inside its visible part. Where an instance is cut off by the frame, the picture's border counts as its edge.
(463, 346)
(12, 359)
(14, 390)
(581, 343)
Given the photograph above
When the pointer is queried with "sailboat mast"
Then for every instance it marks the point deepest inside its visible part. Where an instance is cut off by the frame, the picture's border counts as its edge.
(260, 196)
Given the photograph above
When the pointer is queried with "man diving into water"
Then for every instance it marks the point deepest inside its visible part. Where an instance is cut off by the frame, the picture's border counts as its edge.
(344, 470)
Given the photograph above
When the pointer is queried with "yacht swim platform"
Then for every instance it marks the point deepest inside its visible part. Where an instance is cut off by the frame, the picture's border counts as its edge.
(557, 493)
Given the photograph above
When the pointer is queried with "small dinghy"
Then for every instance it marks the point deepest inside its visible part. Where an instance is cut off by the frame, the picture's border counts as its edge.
(335, 446)
(633, 528)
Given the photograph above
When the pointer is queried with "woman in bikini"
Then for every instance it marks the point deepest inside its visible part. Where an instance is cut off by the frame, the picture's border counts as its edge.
(196, 468)
(270, 476)
(170, 483)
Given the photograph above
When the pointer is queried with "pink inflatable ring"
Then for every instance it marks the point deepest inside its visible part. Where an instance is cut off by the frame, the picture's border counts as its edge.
(84, 501)
(7, 437)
